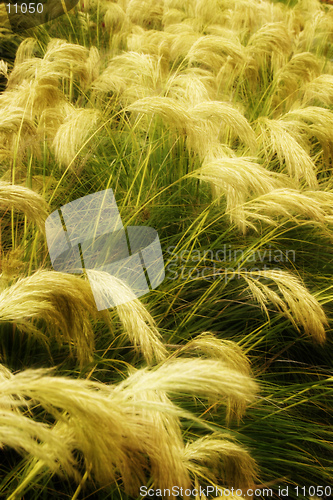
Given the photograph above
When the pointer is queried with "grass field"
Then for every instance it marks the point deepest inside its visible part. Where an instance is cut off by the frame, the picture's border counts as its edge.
(212, 122)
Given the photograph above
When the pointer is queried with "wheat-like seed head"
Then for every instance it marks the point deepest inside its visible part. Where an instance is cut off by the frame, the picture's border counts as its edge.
(146, 13)
(52, 118)
(14, 121)
(225, 115)
(207, 378)
(208, 344)
(115, 19)
(291, 204)
(133, 75)
(301, 68)
(315, 121)
(3, 68)
(171, 111)
(229, 352)
(209, 13)
(270, 38)
(317, 27)
(156, 407)
(212, 51)
(189, 87)
(92, 67)
(151, 42)
(182, 41)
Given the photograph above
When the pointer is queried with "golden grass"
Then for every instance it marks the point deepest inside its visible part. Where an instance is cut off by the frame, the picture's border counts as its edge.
(117, 427)
(65, 303)
(247, 85)
(73, 132)
(237, 178)
(319, 89)
(277, 138)
(208, 345)
(24, 200)
(220, 459)
(314, 206)
(138, 324)
(296, 303)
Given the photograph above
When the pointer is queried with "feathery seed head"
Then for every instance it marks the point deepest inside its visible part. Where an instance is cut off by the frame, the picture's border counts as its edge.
(297, 303)
(116, 428)
(212, 51)
(320, 89)
(222, 113)
(3, 68)
(65, 302)
(72, 134)
(221, 460)
(24, 200)
(138, 324)
(238, 178)
(277, 137)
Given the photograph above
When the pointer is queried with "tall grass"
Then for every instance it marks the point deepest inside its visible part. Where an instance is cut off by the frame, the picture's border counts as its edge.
(212, 123)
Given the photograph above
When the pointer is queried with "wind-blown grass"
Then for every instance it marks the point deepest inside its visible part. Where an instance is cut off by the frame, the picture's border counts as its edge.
(132, 427)
(212, 123)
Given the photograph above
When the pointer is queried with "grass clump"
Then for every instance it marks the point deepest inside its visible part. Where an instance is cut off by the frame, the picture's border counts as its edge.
(212, 123)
